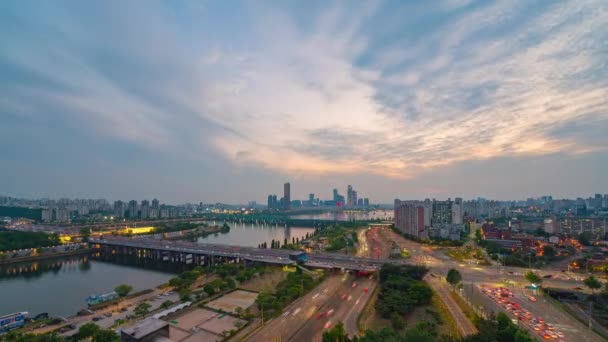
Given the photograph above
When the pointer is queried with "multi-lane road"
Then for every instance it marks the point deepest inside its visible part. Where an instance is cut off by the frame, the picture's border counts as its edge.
(305, 320)
(511, 277)
(275, 256)
(340, 298)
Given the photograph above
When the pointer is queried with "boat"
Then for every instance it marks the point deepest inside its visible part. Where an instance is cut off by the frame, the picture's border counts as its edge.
(13, 321)
(96, 299)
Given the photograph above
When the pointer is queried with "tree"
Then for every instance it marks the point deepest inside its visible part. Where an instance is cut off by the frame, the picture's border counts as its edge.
(88, 330)
(585, 238)
(533, 278)
(142, 309)
(548, 251)
(209, 289)
(454, 277)
(336, 334)
(85, 233)
(185, 295)
(592, 283)
(166, 304)
(123, 290)
(397, 321)
(106, 335)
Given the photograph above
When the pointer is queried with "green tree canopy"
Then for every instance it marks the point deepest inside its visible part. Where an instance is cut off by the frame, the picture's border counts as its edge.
(533, 278)
(142, 309)
(123, 290)
(336, 334)
(454, 277)
(592, 283)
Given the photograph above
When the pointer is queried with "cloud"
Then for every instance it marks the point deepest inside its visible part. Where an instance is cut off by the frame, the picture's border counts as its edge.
(390, 89)
(303, 104)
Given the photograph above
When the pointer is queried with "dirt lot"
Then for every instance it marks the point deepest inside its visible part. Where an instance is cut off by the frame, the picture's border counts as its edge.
(217, 325)
(201, 325)
(268, 282)
(193, 318)
(202, 336)
(231, 301)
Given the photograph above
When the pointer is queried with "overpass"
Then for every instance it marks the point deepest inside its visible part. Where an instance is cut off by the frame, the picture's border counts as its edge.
(211, 254)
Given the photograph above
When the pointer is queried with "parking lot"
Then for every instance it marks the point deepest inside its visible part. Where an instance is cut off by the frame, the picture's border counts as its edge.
(106, 318)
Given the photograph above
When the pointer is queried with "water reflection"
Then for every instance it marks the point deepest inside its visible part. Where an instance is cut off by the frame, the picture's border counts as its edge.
(348, 215)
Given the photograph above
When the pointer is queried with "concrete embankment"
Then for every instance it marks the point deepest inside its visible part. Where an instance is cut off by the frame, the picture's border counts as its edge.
(45, 256)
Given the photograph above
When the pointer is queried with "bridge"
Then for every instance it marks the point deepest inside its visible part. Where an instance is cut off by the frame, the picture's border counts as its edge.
(211, 254)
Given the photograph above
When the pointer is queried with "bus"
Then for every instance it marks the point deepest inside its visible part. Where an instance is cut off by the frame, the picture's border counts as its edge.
(12, 321)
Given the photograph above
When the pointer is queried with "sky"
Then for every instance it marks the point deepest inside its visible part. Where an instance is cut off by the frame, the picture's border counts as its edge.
(224, 101)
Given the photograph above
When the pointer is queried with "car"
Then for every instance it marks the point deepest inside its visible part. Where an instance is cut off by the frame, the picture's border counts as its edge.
(343, 296)
(547, 276)
(365, 290)
(108, 314)
(327, 325)
(577, 288)
(320, 315)
(329, 312)
(354, 285)
(532, 299)
(97, 318)
(123, 309)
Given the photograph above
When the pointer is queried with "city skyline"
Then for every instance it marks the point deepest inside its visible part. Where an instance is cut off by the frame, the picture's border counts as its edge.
(211, 102)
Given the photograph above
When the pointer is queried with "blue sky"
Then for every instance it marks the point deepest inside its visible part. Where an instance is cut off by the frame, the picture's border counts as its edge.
(226, 100)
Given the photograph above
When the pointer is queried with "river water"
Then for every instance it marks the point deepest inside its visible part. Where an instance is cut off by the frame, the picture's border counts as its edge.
(252, 235)
(60, 286)
(347, 215)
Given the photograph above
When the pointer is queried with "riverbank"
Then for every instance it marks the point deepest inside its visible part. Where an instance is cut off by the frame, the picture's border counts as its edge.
(45, 256)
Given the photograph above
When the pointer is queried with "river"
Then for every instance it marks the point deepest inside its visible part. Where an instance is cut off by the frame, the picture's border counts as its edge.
(252, 235)
(347, 215)
(60, 286)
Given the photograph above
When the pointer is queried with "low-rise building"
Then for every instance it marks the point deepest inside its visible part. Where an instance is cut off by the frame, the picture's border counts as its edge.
(148, 330)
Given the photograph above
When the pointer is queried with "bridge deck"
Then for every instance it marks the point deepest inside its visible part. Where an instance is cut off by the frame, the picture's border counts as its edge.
(275, 256)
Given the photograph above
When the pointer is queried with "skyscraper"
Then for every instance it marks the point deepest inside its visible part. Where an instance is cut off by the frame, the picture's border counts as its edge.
(349, 195)
(442, 213)
(311, 199)
(119, 209)
(144, 209)
(286, 196)
(155, 204)
(336, 195)
(409, 217)
(457, 211)
(133, 209)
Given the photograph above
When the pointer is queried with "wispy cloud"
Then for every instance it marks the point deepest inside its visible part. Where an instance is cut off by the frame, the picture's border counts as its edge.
(320, 90)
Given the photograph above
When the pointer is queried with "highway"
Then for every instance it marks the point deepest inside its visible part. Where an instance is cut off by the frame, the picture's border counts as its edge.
(509, 277)
(336, 299)
(276, 256)
(297, 313)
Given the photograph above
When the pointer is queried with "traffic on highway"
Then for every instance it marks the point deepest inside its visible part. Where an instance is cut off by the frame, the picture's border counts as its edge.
(509, 302)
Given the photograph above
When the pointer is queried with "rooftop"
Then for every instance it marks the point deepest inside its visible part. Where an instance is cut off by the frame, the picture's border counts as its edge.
(145, 327)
